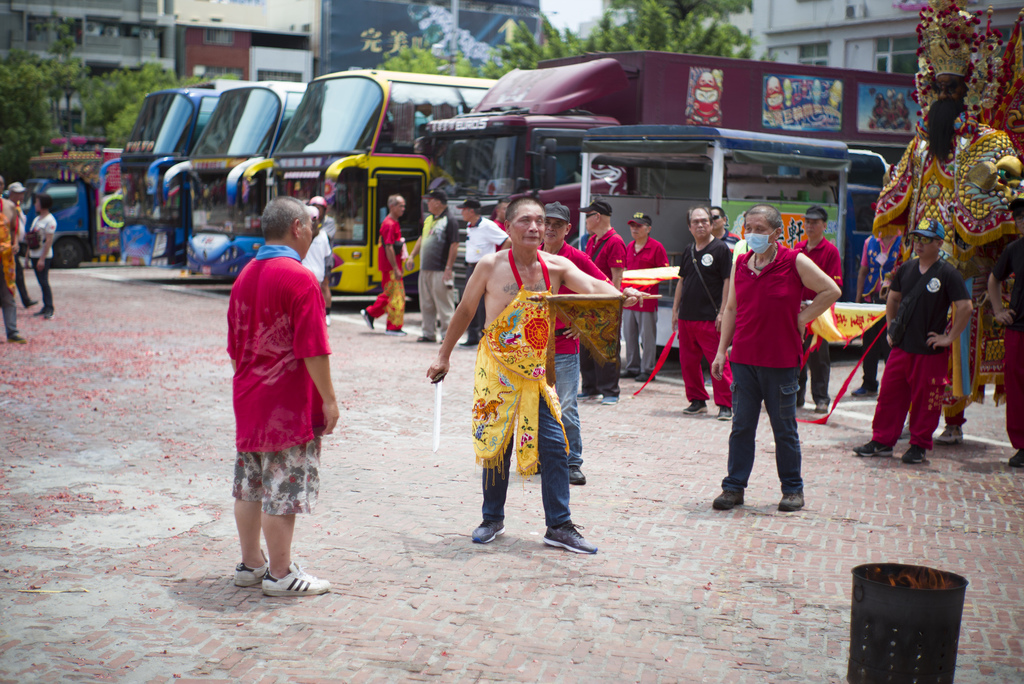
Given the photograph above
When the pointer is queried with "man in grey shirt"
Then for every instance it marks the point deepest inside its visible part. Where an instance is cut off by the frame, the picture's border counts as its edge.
(437, 249)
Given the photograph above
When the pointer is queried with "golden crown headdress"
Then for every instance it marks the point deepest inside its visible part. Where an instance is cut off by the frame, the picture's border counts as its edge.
(953, 41)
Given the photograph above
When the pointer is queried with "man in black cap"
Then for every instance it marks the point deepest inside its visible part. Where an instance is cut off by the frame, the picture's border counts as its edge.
(439, 245)
(920, 296)
(826, 257)
(640, 322)
(483, 237)
(608, 252)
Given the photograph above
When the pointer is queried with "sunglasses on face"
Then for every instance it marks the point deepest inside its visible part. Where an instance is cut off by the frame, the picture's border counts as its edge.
(920, 239)
(715, 217)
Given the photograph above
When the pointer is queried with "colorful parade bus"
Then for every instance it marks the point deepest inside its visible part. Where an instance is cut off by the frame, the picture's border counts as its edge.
(353, 142)
(158, 217)
(229, 166)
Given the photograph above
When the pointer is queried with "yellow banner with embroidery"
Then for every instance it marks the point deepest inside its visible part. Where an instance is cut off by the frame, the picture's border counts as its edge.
(595, 318)
(511, 377)
(6, 252)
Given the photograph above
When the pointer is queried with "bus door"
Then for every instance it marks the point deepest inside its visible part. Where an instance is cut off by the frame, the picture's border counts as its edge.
(410, 184)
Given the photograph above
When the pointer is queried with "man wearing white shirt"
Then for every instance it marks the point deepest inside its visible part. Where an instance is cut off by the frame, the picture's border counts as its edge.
(483, 237)
(317, 257)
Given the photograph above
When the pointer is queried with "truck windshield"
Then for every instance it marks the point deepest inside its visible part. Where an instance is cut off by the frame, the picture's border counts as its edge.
(487, 165)
(162, 126)
(336, 115)
(242, 125)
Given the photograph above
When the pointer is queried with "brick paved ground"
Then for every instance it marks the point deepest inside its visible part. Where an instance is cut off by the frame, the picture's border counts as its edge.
(117, 433)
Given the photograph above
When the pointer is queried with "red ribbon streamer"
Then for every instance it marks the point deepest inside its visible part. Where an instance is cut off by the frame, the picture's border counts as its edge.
(661, 361)
(842, 390)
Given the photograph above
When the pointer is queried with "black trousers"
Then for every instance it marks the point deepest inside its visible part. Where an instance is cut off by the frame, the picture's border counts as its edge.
(597, 378)
(880, 351)
(476, 326)
(819, 365)
(19, 275)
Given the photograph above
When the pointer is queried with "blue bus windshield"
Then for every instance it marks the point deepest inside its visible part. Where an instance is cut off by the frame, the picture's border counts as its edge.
(242, 125)
(336, 115)
(163, 125)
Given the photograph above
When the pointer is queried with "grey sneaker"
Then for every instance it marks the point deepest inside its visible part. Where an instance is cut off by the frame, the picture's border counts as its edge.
(953, 434)
(727, 499)
(567, 536)
(297, 582)
(250, 577)
(873, 448)
(792, 502)
(696, 407)
(488, 530)
(724, 413)
(915, 454)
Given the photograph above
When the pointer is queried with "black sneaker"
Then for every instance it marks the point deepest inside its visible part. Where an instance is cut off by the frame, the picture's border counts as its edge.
(488, 530)
(567, 536)
(915, 454)
(792, 502)
(873, 448)
(696, 407)
(1017, 460)
(645, 377)
(724, 413)
(727, 499)
(576, 476)
(367, 318)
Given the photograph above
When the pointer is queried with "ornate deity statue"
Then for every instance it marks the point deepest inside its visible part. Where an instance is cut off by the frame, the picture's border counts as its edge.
(963, 167)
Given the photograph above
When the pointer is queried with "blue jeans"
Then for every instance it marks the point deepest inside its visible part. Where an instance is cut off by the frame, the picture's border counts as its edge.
(43, 278)
(554, 482)
(777, 388)
(567, 385)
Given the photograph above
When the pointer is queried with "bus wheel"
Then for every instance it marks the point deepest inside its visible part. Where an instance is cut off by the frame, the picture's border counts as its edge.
(68, 253)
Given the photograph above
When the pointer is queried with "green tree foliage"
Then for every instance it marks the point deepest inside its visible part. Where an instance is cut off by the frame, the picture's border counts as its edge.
(67, 73)
(422, 61)
(112, 102)
(24, 111)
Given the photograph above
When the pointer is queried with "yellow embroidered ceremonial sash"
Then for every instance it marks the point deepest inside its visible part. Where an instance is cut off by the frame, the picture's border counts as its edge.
(6, 251)
(394, 288)
(511, 379)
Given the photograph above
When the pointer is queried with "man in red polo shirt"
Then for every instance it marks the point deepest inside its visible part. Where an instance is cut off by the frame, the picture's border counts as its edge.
(640, 322)
(283, 399)
(826, 257)
(567, 349)
(764, 321)
(608, 252)
(391, 300)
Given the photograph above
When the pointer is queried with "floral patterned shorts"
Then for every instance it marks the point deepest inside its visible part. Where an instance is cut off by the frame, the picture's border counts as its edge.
(287, 481)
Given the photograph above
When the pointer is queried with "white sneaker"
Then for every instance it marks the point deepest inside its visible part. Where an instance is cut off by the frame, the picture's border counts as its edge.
(953, 434)
(328, 320)
(250, 577)
(296, 583)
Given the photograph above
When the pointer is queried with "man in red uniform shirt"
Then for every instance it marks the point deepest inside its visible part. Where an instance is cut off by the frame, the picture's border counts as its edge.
(391, 300)
(764, 321)
(640, 323)
(608, 252)
(826, 257)
(567, 349)
(283, 399)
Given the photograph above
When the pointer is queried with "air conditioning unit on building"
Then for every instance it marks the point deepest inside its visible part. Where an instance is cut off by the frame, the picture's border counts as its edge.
(856, 10)
(93, 29)
(147, 34)
(111, 31)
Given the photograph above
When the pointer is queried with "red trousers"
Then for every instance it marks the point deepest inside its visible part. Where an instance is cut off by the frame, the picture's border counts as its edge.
(915, 382)
(699, 339)
(1013, 380)
(394, 292)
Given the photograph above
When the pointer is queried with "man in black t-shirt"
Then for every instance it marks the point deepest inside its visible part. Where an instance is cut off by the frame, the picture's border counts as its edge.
(437, 249)
(915, 374)
(1011, 263)
(703, 284)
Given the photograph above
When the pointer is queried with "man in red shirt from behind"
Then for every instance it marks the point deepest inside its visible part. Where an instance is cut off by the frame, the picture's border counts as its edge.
(283, 399)
(390, 258)
(640, 322)
(826, 257)
(608, 252)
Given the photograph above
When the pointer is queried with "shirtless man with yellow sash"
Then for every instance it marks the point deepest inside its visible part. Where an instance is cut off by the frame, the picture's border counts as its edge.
(512, 393)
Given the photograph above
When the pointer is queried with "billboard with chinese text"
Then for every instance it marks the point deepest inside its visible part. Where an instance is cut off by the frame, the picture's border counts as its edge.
(802, 103)
(365, 33)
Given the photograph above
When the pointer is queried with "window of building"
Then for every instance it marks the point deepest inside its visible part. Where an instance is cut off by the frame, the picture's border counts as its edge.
(816, 54)
(268, 75)
(217, 71)
(218, 37)
(896, 55)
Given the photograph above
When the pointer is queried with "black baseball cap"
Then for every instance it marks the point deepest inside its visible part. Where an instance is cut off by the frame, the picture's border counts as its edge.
(471, 203)
(557, 210)
(641, 218)
(816, 212)
(439, 195)
(599, 206)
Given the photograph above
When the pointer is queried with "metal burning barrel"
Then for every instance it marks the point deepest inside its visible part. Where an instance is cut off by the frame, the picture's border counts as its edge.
(904, 624)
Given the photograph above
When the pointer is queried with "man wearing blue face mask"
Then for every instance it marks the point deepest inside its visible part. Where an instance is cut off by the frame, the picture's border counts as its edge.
(764, 321)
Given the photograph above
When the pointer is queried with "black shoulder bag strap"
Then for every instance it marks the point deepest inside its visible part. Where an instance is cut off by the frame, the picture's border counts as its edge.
(696, 267)
(898, 327)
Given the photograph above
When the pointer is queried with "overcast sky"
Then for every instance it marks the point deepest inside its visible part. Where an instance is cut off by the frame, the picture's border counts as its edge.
(569, 13)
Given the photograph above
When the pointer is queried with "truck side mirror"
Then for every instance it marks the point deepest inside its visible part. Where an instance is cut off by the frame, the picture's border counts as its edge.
(548, 162)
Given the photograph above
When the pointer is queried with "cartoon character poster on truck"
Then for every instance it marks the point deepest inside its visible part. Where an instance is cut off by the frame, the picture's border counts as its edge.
(802, 103)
